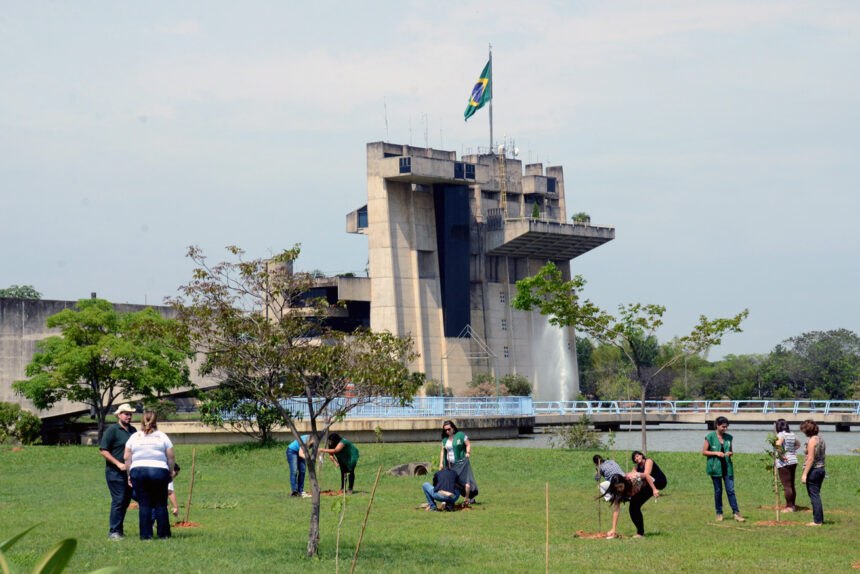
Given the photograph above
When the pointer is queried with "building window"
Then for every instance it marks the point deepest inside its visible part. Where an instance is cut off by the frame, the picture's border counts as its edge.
(501, 296)
(504, 324)
(405, 164)
(507, 353)
(458, 170)
(470, 171)
(551, 185)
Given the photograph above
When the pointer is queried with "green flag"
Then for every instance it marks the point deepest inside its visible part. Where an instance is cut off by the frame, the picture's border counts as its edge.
(482, 92)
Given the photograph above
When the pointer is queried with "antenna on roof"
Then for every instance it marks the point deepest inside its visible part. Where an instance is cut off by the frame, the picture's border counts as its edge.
(385, 106)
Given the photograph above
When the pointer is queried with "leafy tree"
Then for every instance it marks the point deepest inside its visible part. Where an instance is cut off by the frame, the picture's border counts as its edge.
(104, 355)
(516, 385)
(20, 292)
(632, 331)
(18, 425)
(584, 353)
(227, 406)
(254, 327)
(826, 361)
(536, 211)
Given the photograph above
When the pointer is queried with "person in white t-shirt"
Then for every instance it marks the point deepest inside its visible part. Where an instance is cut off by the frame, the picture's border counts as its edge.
(150, 459)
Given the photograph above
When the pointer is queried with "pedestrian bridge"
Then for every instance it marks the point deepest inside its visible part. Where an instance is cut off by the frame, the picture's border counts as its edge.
(612, 414)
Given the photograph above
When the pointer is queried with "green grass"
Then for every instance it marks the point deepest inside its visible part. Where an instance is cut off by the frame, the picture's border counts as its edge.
(249, 524)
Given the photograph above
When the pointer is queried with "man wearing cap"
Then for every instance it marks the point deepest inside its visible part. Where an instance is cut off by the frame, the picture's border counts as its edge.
(112, 447)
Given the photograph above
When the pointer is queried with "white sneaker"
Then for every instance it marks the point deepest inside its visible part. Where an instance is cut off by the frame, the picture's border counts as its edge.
(306, 495)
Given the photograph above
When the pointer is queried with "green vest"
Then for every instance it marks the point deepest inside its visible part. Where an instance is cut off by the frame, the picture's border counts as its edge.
(347, 458)
(715, 463)
(459, 443)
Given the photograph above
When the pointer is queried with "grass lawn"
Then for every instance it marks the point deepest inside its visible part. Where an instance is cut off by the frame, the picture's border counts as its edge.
(249, 524)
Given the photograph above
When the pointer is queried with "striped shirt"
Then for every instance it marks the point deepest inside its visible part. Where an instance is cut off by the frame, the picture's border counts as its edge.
(789, 445)
(609, 468)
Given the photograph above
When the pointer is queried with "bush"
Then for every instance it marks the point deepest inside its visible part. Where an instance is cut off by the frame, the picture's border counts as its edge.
(18, 425)
(577, 436)
(434, 388)
(517, 385)
(161, 407)
(487, 389)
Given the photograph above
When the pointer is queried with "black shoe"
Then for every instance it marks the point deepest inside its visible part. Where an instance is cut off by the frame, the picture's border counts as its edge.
(294, 493)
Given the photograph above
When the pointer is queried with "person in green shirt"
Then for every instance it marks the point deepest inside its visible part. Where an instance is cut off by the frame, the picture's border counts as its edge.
(112, 448)
(718, 449)
(345, 456)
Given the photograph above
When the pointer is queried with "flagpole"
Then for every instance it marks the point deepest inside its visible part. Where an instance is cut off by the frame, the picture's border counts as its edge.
(491, 99)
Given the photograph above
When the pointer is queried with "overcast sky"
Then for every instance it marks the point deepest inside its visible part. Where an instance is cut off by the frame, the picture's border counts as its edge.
(721, 139)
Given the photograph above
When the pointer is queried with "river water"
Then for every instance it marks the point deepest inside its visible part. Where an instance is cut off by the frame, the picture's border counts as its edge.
(690, 438)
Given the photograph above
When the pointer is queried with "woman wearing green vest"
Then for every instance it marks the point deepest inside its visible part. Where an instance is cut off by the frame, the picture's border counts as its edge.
(345, 456)
(718, 449)
(456, 454)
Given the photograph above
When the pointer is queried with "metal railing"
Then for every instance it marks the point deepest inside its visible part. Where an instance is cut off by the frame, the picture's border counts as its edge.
(763, 406)
(420, 407)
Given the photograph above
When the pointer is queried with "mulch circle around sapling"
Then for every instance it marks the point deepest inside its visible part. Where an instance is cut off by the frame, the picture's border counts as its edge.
(182, 524)
(334, 493)
(583, 534)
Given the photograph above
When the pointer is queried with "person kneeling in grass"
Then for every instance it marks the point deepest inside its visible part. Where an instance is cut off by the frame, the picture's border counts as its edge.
(446, 488)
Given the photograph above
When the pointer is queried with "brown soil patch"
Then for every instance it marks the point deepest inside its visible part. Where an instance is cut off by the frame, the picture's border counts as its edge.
(583, 534)
(331, 493)
(856, 565)
(775, 523)
(17, 449)
(181, 524)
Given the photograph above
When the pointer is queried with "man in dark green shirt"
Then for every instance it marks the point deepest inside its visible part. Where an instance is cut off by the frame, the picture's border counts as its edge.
(112, 448)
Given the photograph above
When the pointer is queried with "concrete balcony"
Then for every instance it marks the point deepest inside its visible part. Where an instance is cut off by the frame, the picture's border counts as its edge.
(426, 170)
(545, 239)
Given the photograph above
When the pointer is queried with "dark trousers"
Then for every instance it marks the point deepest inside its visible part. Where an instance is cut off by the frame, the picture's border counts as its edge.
(730, 493)
(120, 497)
(150, 484)
(636, 508)
(786, 477)
(814, 480)
(344, 473)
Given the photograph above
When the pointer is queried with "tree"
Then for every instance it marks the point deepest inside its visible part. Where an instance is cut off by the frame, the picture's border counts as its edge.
(104, 355)
(827, 362)
(227, 406)
(18, 425)
(632, 332)
(254, 327)
(20, 292)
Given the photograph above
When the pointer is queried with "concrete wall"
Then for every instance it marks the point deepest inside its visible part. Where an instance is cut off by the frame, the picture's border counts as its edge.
(22, 326)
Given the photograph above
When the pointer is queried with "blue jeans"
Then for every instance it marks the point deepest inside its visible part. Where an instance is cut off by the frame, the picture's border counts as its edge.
(150, 485)
(730, 493)
(297, 470)
(120, 497)
(814, 480)
(433, 496)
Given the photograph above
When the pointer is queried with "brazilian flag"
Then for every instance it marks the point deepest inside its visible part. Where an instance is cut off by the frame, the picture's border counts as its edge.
(482, 92)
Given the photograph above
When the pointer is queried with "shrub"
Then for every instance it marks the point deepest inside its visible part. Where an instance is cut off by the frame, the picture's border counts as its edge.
(162, 407)
(434, 388)
(18, 425)
(577, 436)
(517, 385)
(487, 389)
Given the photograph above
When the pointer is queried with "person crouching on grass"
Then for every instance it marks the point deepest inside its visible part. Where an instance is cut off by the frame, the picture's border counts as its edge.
(446, 488)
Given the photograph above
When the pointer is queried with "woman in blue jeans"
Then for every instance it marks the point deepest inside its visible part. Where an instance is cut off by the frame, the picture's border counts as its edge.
(150, 459)
(813, 470)
(718, 449)
(296, 460)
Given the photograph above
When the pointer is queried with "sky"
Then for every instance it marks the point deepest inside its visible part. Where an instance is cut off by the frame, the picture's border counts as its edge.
(720, 139)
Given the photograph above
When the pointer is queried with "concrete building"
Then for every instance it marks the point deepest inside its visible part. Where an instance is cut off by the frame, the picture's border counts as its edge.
(447, 241)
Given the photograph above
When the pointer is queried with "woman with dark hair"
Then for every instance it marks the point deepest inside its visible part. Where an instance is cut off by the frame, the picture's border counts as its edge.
(150, 459)
(786, 461)
(718, 449)
(456, 454)
(344, 455)
(627, 488)
(813, 469)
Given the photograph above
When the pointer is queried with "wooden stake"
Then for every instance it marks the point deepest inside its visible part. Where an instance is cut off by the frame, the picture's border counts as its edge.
(364, 524)
(191, 486)
(547, 529)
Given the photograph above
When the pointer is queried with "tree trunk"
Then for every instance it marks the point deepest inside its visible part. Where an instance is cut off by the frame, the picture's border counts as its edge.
(100, 417)
(314, 530)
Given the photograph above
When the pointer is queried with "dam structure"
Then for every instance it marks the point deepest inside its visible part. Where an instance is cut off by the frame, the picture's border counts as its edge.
(447, 239)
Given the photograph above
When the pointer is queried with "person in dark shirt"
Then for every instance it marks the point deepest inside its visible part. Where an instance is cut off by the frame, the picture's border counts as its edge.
(446, 488)
(112, 448)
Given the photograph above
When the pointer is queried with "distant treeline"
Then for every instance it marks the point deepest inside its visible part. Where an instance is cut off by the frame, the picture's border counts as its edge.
(816, 365)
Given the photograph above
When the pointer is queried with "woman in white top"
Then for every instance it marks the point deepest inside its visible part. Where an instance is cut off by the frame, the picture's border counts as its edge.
(150, 460)
(786, 462)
